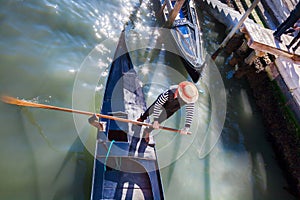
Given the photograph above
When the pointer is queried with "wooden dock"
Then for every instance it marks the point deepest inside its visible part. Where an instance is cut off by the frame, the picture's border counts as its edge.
(262, 39)
(287, 62)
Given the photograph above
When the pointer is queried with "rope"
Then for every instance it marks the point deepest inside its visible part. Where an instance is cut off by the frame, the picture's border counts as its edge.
(107, 154)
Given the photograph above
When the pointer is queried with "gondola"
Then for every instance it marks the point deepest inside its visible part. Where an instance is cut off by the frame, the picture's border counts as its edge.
(125, 166)
(186, 34)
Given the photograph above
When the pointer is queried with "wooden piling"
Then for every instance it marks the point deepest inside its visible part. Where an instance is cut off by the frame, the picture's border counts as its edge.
(174, 12)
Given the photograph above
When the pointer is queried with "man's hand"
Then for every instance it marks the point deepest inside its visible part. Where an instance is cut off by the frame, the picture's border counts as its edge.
(94, 120)
(185, 131)
(155, 125)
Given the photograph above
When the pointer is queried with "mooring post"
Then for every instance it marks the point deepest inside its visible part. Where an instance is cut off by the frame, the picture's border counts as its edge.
(174, 12)
(234, 29)
(162, 8)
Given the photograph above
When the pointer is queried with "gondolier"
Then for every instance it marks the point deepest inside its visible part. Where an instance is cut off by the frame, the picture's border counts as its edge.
(168, 102)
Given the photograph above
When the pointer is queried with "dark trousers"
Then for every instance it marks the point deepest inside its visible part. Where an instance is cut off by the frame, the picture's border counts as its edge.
(289, 22)
(293, 42)
(296, 46)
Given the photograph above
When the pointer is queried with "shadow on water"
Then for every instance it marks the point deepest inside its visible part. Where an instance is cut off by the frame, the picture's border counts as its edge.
(33, 168)
(76, 152)
(207, 188)
(244, 132)
(32, 120)
(82, 172)
(18, 166)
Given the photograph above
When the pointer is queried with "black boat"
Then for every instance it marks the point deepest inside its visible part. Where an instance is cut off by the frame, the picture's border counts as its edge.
(186, 33)
(125, 167)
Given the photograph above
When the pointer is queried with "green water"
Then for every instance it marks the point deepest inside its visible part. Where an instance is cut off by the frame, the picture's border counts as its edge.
(43, 156)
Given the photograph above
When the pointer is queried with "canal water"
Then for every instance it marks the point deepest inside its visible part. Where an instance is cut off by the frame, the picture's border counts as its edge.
(46, 45)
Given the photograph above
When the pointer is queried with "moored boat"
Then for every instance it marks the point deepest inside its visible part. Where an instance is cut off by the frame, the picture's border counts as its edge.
(125, 166)
(186, 33)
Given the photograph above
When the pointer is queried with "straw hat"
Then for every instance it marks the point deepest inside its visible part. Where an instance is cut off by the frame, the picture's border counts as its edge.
(188, 92)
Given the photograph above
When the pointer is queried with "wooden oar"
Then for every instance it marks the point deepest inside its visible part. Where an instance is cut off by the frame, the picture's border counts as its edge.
(15, 101)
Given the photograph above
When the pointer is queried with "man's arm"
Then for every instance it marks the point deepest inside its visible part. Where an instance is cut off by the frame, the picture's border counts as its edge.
(189, 117)
(161, 100)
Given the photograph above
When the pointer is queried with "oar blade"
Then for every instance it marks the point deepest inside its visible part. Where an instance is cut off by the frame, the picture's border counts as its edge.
(11, 100)
(18, 102)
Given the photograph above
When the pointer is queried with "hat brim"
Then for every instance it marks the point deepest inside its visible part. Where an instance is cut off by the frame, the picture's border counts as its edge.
(188, 99)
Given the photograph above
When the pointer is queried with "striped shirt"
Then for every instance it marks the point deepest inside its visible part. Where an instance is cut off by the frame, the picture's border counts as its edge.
(167, 101)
